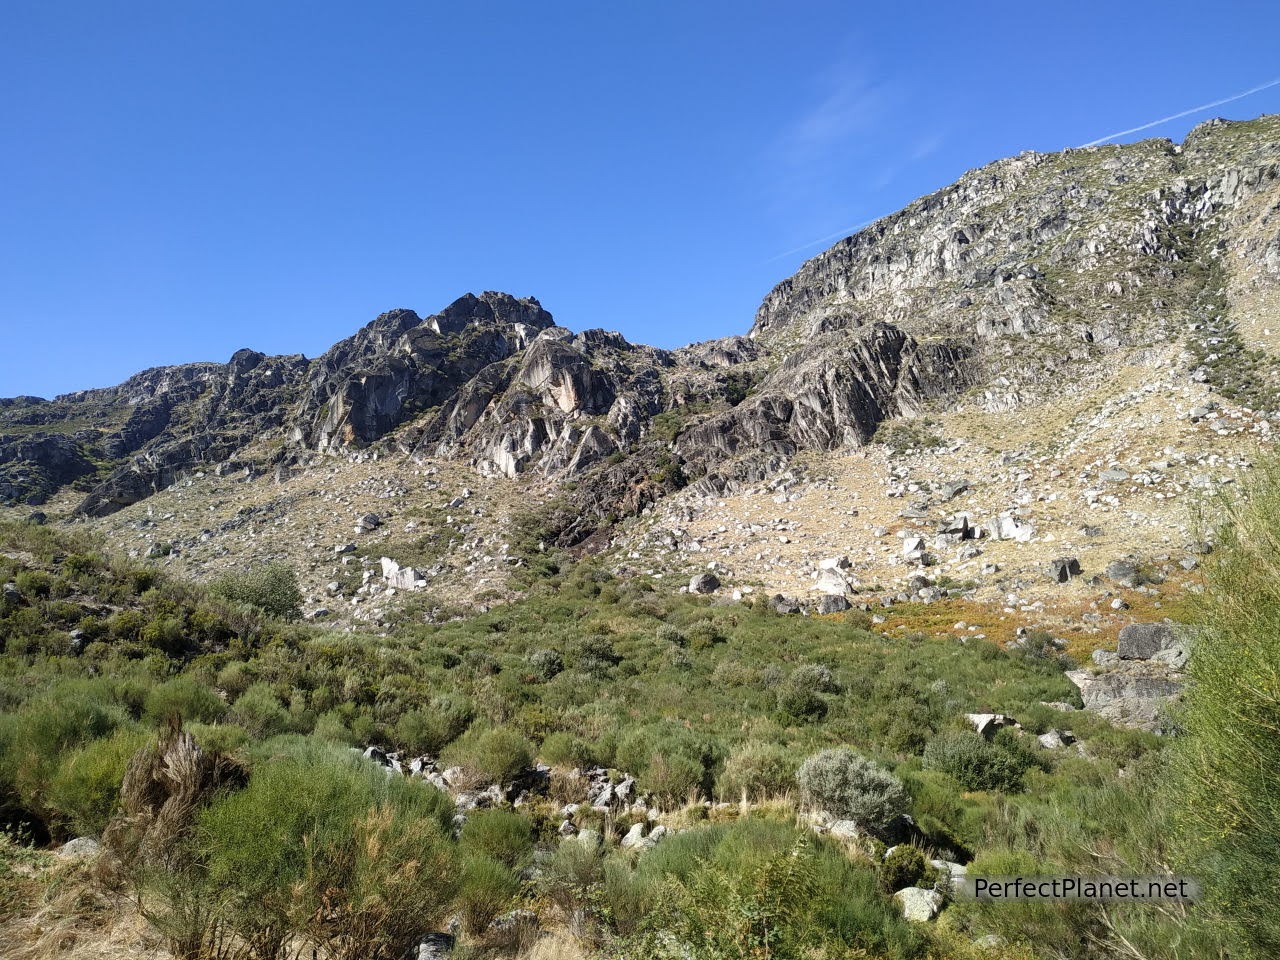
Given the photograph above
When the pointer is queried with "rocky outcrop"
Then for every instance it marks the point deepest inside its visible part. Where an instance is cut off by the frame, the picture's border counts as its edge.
(832, 394)
(1015, 283)
(1134, 686)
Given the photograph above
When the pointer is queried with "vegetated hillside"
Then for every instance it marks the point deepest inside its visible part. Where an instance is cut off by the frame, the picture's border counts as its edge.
(604, 768)
(959, 456)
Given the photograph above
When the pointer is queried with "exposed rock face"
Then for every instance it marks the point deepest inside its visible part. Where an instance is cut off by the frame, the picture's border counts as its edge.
(1016, 283)
(1130, 693)
(1142, 641)
(1034, 245)
(829, 395)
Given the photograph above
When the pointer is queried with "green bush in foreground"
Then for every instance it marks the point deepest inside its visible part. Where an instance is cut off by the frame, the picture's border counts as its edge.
(325, 845)
(758, 770)
(86, 787)
(851, 787)
(1226, 787)
(498, 755)
(761, 889)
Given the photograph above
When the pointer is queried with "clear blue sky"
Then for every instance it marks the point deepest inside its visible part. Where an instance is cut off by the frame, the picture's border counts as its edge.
(181, 179)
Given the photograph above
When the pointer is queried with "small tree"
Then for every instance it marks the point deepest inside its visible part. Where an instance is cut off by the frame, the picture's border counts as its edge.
(851, 787)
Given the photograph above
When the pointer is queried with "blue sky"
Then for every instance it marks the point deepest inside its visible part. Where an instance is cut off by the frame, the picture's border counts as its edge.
(179, 179)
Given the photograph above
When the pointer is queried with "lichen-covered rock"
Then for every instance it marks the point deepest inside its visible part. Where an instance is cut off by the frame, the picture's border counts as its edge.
(918, 904)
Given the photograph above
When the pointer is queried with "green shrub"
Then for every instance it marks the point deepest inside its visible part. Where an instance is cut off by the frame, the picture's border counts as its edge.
(851, 787)
(185, 698)
(260, 712)
(488, 888)
(562, 749)
(1225, 790)
(504, 836)
(669, 759)
(902, 867)
(333, 727)
(85, 790)
(546, 664)
(758, 770)
(757, 889)
(34, 583)
(35, 740)
(673, 779)
(816, 677)
(595, 656)
(325, 844)
(669, 635)
(165, 634)
(974, 762)
(220, 737)
(497, 755)
(426, 731)
(703, 635)
(272, 588)
(798, 702)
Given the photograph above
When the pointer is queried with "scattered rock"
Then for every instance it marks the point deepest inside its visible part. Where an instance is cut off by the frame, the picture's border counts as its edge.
(918, 905)
(988, 723)
(704, 583)
(1132, 693)
(1063, 569)
(81, 848)
(832, 604)
(1056, 739)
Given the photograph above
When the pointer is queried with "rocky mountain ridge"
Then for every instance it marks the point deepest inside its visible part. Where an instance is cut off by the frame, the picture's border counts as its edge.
(1017, 292)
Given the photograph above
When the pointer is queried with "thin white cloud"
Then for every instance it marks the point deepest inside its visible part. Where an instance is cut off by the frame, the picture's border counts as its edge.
(1185, 113)
(838, 235)
(925, 147)
(810, 153)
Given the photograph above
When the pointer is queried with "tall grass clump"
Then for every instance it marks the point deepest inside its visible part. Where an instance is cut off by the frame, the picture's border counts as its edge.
(1228, 754)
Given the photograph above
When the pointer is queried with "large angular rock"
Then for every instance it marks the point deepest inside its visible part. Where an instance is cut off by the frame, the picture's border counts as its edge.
(1063, 569)
(1142, 641)
(704, 583)
(1130, 693)
(918, 904)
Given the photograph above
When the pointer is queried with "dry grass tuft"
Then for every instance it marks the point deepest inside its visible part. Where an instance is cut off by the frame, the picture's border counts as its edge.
(77, 918)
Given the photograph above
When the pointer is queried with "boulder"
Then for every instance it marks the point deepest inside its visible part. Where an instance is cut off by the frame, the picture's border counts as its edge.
(1063, 569)
(81, 848)
(1010, 528)
(635, 836)
(918, 905)
(1142, 641)
(1056, 739)
(988, 723)
(435, 946)
(832, 582)
(704, 583)
(847, 830)
(1131, 693)
(1124, 573)
(832, 604)
(1175, 658)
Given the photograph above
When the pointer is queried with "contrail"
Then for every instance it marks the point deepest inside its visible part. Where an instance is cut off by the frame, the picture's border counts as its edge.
(1092, 143)
(1185, 113)
(813, 243)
